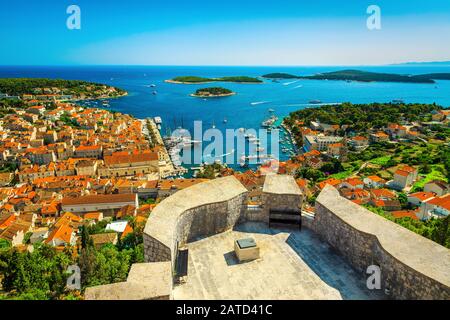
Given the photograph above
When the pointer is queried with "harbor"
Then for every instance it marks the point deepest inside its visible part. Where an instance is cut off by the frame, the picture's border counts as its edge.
(169, 162)
(258, 150)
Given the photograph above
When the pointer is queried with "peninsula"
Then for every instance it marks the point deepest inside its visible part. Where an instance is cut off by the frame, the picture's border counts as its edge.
(202, 80)
(364, 76)
(57, 89)
(213, 92)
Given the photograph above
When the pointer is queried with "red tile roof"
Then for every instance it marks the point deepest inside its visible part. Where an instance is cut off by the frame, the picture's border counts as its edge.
(376, 179)
(443, 202)
(383, 193)
(128, 230)
(422, 195)
(133, 158)
(63, 232)
(331, 181)
(354, 181)
(88, 148)
(101, 198)
(405, 214)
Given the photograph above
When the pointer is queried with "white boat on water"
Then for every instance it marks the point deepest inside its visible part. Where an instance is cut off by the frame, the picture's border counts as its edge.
(186, 142)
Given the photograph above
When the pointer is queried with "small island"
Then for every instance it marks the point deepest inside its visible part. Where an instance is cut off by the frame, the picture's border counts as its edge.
(364, 76)
(213, 92)
(201, 80)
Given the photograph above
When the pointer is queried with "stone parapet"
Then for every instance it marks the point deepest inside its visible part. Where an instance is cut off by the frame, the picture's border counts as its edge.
(412, 266)
(280, 193)
(146, 281)
(201, 210)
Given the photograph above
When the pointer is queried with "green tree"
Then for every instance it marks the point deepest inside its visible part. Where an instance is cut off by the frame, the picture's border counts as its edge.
(310, 174)
(402, 198)
(86, 240)
(4, 244)
(105, 265)
(44, 270)
(425, 168)
(32, 294)
(333, 166)
(441, 232)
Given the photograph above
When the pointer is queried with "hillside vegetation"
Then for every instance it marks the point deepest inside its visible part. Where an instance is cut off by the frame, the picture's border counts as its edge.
(37, 86)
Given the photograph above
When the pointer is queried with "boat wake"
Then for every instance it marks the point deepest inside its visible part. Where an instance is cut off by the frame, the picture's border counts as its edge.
(288, 83)
(299, 86)
(312, 104)
(258, 102)
(227, 154)
(219, 156)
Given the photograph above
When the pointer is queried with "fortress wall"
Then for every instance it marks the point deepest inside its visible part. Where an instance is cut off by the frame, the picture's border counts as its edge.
(281, 193)
(412, 267)
(201, 210)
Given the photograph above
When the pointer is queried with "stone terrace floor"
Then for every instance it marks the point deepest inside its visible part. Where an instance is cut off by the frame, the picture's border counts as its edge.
(292, 265)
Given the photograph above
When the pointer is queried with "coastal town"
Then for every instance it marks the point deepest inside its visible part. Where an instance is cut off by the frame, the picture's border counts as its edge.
(74, 177)
(225, 159)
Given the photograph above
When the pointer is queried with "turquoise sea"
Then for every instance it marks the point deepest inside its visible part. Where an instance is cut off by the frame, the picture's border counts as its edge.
(249, 107)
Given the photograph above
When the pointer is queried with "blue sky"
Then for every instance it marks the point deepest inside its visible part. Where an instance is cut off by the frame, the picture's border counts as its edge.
(244, 32)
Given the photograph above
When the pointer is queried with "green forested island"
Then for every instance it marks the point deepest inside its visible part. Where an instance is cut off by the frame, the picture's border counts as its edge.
(76, 88)
(365, 76)
(197, 80)
(213, 92)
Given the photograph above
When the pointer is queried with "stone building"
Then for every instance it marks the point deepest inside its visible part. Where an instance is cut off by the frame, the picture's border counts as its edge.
(106, 203)
(129, 165)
